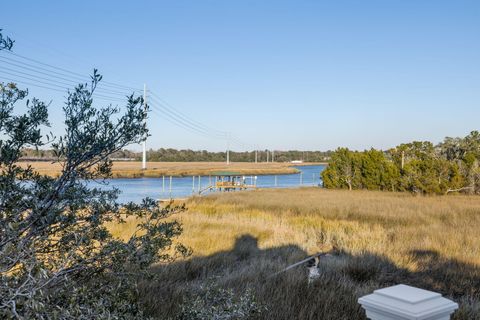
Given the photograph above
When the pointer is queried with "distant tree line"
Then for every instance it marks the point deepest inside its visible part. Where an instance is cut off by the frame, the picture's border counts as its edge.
(418, 167)
(245, 156)
(37, 153)
(174, 155)
(46, 154)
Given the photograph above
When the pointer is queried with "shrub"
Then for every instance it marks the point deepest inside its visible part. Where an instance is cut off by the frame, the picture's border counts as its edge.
(215, 303)
(57, 258)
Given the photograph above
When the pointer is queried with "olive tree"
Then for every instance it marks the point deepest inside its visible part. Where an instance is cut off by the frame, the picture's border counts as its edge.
(58, 259)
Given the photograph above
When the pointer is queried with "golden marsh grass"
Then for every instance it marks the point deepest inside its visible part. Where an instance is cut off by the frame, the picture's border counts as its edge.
(239, 239)
(133, 169)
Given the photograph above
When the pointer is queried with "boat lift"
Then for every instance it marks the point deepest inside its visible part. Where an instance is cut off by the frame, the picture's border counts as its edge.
(231, 182)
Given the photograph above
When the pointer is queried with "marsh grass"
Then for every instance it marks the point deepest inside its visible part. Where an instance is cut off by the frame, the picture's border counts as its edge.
(158, 169)
(240, 239)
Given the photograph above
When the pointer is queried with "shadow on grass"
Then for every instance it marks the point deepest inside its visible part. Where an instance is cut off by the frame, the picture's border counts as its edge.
(343, 279)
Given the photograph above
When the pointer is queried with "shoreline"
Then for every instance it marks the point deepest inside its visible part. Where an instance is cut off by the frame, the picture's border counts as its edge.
(132, 170)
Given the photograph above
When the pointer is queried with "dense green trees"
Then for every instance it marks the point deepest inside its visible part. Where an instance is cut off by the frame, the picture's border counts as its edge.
(360, 170)
(245, 156)
(419, 167)
(342, 170)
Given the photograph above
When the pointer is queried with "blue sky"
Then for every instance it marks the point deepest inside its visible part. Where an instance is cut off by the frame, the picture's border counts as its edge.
(277, 74)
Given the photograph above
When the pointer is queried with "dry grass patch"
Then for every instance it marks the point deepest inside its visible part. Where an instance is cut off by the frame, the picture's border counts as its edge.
(240, 239)
(158, 169)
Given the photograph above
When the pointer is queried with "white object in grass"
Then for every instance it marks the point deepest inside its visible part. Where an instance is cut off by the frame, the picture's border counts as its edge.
(402, 302)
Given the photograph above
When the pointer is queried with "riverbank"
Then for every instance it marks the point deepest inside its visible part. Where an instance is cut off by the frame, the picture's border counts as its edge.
(180, 169)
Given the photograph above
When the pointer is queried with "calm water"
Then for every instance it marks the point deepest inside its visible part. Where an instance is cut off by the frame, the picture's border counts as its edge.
(159, 188)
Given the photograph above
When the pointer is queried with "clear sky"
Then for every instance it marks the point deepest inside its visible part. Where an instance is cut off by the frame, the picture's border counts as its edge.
(277, 74)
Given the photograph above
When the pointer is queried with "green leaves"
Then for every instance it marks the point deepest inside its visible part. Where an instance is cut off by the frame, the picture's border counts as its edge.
(57, 258)
(417, 167)
(5, 43)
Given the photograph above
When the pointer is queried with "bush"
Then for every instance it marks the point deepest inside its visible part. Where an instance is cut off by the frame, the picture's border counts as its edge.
(215, 303)
(417, 167)
(57, 258)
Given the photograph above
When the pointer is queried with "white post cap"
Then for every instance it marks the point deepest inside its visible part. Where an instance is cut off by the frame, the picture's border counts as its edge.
(402, 302)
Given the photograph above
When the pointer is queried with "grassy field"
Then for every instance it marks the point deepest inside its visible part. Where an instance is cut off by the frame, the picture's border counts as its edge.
(379, 239)
(133, 169)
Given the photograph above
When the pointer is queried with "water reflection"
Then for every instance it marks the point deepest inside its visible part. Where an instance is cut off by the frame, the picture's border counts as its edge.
(179, 187)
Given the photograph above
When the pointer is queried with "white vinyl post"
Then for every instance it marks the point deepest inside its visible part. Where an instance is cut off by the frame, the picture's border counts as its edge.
(402, 302)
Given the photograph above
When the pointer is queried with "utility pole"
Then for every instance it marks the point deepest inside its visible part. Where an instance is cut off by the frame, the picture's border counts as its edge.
(256, 155)
(144, 158)
(228, 148)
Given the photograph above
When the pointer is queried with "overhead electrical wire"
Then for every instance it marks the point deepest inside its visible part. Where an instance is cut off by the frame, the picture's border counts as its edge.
(52, 81)
(58, 79)
(42, 46)
(73, 81)
(241, 143)
(78, 75)
(183, 120)
(181, 125)
(55, 75)
(60, 89)
(59, 84)
(173, 118)
(185, 117)
(228, 136)
(54, 87)
(199, 126)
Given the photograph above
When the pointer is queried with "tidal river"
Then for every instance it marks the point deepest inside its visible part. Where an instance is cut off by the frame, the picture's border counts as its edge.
(159, 188)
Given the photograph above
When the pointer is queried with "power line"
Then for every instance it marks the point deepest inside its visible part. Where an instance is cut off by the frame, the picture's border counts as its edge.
(58, 79)
(61, 84)
(53, 74)
(191, 123)
(173, 118)
(185, 117)
(78, 75)
(181, 115)
(174, 121)
(60, 89)
(36, 45)
(241, 143)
